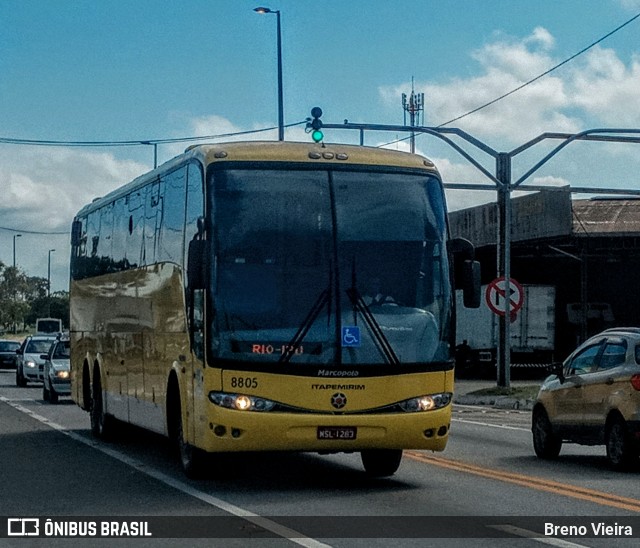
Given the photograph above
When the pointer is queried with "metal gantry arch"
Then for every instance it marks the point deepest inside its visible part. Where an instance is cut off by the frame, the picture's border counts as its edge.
(502, 179)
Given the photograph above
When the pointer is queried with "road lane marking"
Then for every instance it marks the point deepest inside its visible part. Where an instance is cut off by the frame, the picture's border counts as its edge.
(532, 482)
(531, 535)
(503, 426)
(256, 519)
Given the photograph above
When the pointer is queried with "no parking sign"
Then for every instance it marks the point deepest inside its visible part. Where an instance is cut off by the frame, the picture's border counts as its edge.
(499, 291)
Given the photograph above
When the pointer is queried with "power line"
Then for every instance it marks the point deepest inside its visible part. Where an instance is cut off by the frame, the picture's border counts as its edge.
(49, 142)
(543, 74)
(525, 84)
(35, 232)
(34, 142)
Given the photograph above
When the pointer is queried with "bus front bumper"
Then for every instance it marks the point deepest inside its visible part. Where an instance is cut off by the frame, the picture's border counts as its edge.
(249, 431)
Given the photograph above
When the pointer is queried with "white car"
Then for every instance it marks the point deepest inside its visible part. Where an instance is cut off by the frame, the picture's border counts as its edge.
(56, 380)
(29, 359)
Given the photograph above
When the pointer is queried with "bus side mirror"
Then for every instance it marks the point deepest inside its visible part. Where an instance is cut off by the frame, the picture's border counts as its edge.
(196, 265)
(471, 284)
(466, 271)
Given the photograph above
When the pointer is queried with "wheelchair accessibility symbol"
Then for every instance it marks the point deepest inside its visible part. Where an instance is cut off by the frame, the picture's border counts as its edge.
(351, 336)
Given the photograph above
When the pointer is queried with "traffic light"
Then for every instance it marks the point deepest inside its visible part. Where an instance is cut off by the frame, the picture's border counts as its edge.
(315, 125)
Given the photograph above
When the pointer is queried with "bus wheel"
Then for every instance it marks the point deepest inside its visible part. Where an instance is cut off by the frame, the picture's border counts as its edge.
(101, 423)
(192, 459)
(381, 462)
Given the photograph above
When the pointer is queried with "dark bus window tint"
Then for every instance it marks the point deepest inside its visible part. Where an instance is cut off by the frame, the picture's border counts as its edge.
(93, 233)
(79, 252)
(152, 218)
(106, 232)
(120, 233)
(173, 199)
(135, 228)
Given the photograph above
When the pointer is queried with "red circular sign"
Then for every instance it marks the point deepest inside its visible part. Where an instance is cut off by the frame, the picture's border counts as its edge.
(499, 291)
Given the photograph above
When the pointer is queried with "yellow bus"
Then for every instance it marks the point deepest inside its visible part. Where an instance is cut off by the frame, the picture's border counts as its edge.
(271, 296)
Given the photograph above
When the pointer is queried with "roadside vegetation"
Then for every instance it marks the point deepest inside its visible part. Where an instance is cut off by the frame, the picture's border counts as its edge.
(24, 298)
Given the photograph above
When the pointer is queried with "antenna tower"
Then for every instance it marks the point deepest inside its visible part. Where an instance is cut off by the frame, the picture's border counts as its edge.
(414, 106)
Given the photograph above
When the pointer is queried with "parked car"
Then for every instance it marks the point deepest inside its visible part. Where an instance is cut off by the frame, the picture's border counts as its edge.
(29, 360)
(593, 399)
(8, 353)
(56, 381)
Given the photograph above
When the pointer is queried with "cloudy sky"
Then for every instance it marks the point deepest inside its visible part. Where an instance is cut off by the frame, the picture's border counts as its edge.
(116, 70)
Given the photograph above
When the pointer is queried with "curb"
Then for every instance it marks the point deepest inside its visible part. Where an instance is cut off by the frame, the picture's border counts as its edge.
(497, 402)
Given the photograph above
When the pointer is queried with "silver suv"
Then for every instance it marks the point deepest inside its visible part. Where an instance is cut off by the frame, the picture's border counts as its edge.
(593, 399)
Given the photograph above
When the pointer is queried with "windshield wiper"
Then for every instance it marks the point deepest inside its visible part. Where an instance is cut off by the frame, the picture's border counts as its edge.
(302, 331)
(379, 337)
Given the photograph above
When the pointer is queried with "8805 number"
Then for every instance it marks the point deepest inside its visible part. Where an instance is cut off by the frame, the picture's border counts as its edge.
(244, 382)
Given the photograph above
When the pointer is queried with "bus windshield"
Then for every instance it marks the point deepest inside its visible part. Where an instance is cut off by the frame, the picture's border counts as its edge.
(334, 268)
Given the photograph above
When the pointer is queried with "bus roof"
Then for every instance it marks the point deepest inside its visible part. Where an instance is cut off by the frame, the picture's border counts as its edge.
(277, 151)
(282, 151)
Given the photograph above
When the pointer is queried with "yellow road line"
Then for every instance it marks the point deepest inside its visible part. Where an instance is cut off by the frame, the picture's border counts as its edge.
(532, 482)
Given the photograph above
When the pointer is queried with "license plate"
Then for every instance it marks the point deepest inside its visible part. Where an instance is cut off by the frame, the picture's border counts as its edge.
(337, 432)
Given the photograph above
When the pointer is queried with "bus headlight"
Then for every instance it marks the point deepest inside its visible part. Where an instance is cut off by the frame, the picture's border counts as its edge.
(241, 402)
(426, 403)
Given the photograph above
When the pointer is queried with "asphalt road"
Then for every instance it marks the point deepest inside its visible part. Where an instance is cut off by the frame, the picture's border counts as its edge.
(486, 489)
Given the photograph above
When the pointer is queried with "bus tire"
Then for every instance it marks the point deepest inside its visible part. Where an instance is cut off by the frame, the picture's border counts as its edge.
(381, 463)
(192, 459)
(101, 422)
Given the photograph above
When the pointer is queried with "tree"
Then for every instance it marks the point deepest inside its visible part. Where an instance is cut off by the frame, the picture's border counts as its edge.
(24, 298)
(55, 306)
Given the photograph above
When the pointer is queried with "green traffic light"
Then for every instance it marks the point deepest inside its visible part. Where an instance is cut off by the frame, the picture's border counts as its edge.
(317, 136)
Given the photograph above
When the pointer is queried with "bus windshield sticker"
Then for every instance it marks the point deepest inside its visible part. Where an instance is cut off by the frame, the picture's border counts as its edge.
(351, 336)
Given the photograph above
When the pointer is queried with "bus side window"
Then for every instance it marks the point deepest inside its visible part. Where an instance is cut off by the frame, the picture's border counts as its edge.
(152, 218)
(134, 253)
(120, 234)
(105, 241)
(172, 206)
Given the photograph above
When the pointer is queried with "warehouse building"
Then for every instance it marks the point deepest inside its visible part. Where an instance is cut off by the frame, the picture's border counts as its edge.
(589, 250)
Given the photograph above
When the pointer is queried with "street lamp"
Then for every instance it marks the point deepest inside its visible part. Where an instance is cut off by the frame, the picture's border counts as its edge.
(280, 100)
(49, 273)
(14, 248)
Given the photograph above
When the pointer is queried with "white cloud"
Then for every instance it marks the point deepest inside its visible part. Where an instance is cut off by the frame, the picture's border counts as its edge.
(44, 188)
(595, 90)
(607, 89)
(542, 37)
(630, 4)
